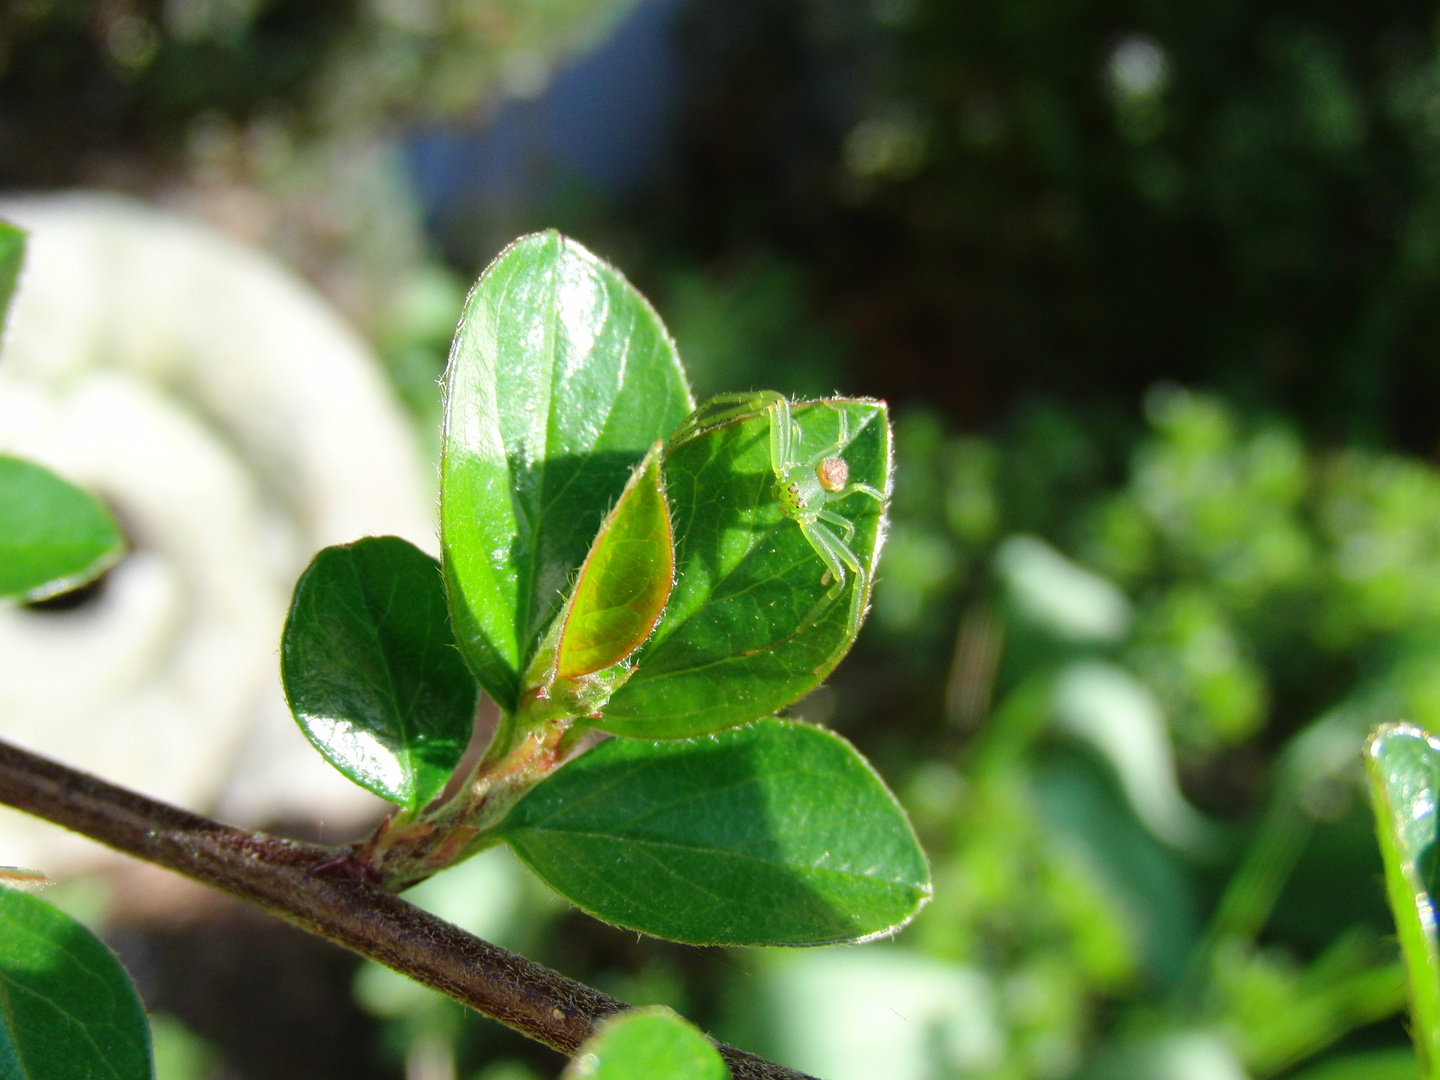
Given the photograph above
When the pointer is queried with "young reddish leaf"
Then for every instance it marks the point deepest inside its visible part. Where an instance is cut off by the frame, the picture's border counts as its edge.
(624, 581)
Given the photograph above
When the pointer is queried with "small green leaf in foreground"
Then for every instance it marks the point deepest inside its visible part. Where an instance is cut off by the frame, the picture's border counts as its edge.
(624, 581)
(12, 253)
(750, 626)
(560, 379)
(371, 670)
(67, 1008)
(53, 536)
(776, 833)
(1403, 763)
(647, 1044)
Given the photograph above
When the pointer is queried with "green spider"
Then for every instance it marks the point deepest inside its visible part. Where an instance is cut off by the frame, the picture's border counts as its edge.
(804, 490)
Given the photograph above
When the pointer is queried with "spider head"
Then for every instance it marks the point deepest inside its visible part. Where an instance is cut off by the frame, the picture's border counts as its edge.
(833, 473)
(792, 499)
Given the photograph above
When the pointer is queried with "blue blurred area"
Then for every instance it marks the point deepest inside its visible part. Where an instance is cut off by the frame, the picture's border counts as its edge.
(604, 120)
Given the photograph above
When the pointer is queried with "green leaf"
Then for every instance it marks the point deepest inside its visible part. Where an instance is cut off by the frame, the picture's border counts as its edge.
(1403, 764)
(750, 626)
(371, 670)
(12, 254)
(624, 581)
(67, 1008)
(647, 1044)
(53, 536)
(560, 379)
(776, 833)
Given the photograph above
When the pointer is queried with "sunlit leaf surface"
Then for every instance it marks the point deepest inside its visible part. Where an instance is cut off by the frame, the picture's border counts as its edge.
(560, 379)
(67, 1009)
(53, 536)
(647, 1044)
(773, 833)
(751, 625)
(371, 670)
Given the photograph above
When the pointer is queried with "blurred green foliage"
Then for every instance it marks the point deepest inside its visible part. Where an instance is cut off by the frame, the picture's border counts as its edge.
(1210, 620)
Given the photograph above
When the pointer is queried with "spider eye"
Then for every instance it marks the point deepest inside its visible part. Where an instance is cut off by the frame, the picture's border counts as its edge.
(833, 473)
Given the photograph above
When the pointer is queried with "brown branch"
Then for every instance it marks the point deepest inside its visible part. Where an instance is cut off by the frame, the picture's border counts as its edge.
(320, 889)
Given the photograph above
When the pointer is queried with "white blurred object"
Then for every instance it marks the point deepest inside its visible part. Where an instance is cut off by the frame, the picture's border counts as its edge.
(1060, 595)
(858, 1014)
(1110, 709)
(235, 425)
(1174, 1055)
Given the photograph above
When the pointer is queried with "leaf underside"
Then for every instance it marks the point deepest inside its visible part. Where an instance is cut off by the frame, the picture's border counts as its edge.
(560, 379)
(776, 833)
(624, 581)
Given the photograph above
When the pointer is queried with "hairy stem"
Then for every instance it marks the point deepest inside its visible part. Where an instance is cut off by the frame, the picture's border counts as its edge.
(326, 891)
(404, 851)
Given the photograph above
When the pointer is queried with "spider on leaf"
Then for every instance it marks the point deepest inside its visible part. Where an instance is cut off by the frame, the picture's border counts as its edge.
(805, 489)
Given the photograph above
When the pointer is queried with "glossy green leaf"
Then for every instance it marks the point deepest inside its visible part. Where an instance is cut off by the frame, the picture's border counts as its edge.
(560, 379)
(775, 833)
(624, 581)
(12, 254)
(371, 670)
(647, 1044)
(53, 536)
(1403, 763)
(67, 1008)
(749, 627)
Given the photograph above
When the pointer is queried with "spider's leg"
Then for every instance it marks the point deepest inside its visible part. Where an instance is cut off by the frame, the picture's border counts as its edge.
(863, 489)
(780, 432)
(843, 435)
(720, 410)
(852, 623)
(835, 448)
(789, 429)
(845, 525)
(840, 551)
(820, 538)
(777, 459)
(827, 545)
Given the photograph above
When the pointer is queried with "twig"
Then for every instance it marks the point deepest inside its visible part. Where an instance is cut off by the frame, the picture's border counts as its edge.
(324, 890)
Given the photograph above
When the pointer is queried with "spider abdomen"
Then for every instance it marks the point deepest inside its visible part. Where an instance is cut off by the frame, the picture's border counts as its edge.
(832, 474)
